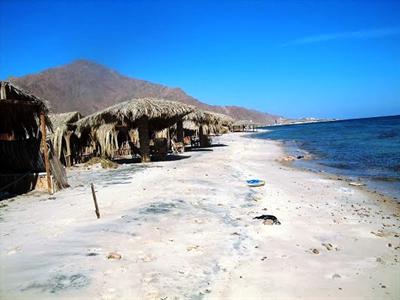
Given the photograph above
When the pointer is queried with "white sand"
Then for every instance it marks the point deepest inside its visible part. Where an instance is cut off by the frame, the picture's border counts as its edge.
(185, 230)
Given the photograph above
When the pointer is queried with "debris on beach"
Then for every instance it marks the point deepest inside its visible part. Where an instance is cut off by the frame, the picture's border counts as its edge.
(114, 255)
(104, 163)
(315, 251)
(190, 248)
(268, 222)
(268, 219)
(255, 182)
(305, 157)
(288, 158)
(328, 246)
(356, 183)
(380, 233)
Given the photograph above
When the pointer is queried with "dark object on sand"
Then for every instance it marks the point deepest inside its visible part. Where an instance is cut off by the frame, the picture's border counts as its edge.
(315, 251)
(95, 201)
(114, 255)
(268, 218)
(255, 182)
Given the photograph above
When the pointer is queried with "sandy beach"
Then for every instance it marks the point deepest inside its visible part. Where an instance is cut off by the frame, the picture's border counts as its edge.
(185, 229)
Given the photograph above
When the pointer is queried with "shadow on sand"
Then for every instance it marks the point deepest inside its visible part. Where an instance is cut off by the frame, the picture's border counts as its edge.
(172, 157)
(198, 149)
(216, 146)
(136, 160)
(209, 148)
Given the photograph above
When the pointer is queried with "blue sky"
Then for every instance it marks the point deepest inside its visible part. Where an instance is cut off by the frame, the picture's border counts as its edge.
(294, 58)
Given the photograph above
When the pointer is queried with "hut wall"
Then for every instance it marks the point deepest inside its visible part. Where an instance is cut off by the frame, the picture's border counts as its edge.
(20, 156)
(11, 184)
(20, 139)
(106, 137)
(57, 170)
(20, 163)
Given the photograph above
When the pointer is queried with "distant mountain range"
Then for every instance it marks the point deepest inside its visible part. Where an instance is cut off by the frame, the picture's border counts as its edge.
(87, 87)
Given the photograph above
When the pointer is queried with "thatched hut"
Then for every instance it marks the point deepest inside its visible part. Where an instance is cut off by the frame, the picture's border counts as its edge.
(23, 125)
(64, 139)
(106, 130)
(244, 125)
(200, 124)
(224, 124)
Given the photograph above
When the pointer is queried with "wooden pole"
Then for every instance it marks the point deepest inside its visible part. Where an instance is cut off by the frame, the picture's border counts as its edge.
(45, 151)
(95, 201)
(144, 139)
(168, 139)
(3, 94)
(179, 131)
(68, 158)
(202, 137)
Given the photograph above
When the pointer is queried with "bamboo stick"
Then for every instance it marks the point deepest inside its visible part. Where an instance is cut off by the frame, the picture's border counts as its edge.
(179, 131)
(45, 151)
(95, 201)
(144, 139)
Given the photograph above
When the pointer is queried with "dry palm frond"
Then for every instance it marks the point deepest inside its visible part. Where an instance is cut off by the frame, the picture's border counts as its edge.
(211, 122)
(201, 117)
(20, 110)
(68, 118)
(13, 92)
(244, 123)
(102, 127)
(224, 119)
(62, 123)
(107, 137)
(129, 112)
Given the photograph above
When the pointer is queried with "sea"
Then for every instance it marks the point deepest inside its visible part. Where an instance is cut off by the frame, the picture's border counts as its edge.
(366, 150)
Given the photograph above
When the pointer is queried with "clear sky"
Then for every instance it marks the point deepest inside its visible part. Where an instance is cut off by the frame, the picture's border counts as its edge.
(294, 58)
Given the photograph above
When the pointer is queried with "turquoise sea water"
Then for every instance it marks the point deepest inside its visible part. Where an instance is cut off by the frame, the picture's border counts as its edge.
(363, 149)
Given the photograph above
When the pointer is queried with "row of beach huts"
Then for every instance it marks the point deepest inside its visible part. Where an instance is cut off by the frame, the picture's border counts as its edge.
(36, 146)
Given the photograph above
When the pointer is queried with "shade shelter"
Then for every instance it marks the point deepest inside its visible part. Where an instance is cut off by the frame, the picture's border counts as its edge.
(147, 115)
(63, 136)
(200, 124)
(224, 123)
(24, 124)
(244, 125)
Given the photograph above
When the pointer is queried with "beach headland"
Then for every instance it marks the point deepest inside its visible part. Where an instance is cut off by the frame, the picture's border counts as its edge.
(185, 229)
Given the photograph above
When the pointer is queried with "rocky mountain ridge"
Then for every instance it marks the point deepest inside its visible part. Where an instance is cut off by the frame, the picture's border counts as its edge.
(86, 86)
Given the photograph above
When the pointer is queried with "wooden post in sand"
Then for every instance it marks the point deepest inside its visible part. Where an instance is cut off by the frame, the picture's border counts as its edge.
(68, 158)
(95, 202)
(45, 151)
(202, 137)
(144, 139)
(179, 131)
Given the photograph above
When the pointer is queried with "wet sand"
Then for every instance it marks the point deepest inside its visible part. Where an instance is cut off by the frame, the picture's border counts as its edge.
(185, 230)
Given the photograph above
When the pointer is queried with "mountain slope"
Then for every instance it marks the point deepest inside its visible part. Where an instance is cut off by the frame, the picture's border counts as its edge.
(87, 87)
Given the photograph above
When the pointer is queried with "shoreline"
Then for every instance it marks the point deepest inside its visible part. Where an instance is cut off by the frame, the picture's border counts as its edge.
(375, 194)
(343, 178)
(314, 167)
(379, 196)
(186, 229)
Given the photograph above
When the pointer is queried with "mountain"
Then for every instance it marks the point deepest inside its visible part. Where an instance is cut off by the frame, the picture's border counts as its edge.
(87, 87)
